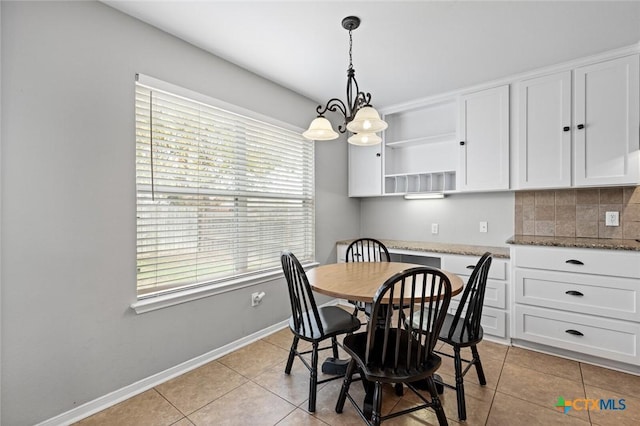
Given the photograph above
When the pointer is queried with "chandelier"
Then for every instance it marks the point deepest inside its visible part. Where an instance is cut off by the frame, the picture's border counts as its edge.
(360, 118)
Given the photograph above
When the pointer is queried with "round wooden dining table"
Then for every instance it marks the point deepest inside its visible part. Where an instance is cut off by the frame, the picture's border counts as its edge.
(359, 281)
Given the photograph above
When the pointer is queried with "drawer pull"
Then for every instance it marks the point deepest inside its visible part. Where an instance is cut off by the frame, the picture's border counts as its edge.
(471, 266)
(574, 332)
(574, 262)
(573, 293)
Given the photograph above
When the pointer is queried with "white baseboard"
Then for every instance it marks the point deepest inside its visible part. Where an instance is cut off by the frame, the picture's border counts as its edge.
(112, 398)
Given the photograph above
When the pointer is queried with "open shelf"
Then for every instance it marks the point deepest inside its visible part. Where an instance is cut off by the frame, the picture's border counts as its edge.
(420, 182)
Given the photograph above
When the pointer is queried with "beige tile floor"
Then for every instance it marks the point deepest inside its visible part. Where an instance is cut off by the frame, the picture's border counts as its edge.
(249, 387)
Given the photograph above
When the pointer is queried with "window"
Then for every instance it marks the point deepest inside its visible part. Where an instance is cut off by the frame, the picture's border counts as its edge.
(220, 191)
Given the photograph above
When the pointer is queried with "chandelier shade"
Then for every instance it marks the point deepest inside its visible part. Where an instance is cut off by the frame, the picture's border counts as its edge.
(364, 139)
(367, 120)
(359, 116)
(320, 130)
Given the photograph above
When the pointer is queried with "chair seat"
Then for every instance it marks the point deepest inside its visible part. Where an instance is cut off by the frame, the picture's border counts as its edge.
(334, 321)
(356, 346)
(460, 336)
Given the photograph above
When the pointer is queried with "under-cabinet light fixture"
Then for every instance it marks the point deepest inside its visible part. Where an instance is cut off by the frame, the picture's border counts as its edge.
(429, 196)
(360, 118)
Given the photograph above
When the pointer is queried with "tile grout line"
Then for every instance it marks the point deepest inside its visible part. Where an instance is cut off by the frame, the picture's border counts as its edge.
(184, 416)
(584, 389)
(493, 398)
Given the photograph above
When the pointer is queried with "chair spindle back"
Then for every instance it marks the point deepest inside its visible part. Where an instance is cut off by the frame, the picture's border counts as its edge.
(422, 289)
(367, 250)
(303, 304)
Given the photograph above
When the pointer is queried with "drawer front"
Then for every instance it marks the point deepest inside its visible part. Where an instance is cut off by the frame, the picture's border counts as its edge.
(495, 294)
(463, 265)
(606, 338)
(494, 321)
(590, 294)
(587, 261)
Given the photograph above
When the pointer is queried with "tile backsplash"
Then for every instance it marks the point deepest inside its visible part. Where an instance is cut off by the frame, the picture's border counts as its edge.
(578, 212)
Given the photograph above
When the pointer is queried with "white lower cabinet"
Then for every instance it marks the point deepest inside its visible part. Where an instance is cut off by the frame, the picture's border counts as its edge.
(585, 334)
(582, 300)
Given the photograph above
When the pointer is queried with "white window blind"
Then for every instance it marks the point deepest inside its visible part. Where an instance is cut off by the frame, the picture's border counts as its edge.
(219, 194)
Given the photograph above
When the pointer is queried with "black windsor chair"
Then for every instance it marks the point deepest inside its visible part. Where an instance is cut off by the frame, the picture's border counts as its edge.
(389, 352)
(312, 324)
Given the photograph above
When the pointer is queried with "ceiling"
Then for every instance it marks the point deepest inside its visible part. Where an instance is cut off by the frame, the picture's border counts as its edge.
(403, 50)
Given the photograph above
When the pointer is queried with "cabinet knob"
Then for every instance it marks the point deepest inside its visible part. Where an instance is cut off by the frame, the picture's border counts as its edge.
(377, 154)
(573, 293)
(566, 128)
(461, 143)
(574, 262)
(471, 266)
(574, 332)
(580, 126)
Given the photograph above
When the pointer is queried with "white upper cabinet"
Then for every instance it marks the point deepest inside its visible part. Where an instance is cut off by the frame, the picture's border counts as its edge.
(577, 124)
(484, 140)
(544, 131)
(365, 171)
(606, 119)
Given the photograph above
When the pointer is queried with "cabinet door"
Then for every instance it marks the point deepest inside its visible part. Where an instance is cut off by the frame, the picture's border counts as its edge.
(606, 117)
(484, 140)
(544, 132)
(365, 170)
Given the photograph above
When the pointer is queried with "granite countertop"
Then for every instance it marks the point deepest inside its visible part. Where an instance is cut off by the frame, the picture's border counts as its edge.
(425, 246)
(595, 243)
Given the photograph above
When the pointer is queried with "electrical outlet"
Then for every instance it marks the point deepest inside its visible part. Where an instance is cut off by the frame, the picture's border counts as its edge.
(612, 219)
(434, 228)
(256, 298)
(483, 226)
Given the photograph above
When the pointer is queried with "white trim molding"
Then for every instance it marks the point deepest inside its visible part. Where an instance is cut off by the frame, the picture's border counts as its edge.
(144, 305)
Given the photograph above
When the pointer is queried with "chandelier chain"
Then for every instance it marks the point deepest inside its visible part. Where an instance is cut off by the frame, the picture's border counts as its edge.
(350, 50)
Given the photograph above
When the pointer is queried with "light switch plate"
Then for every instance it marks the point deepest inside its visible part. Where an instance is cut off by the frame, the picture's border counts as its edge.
(483, 226)
(612, 219)
(434, 228)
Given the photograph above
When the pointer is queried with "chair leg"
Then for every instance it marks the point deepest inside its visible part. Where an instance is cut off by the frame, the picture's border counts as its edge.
(478, 363)
(437, 404)
(313, 380)
(334, 345)
(462, 410)
(346, 383)
(292, 355)
(377, 404)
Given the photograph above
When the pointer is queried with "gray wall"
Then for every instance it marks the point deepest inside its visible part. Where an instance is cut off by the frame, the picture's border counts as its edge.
(458, 217)
(68, 206)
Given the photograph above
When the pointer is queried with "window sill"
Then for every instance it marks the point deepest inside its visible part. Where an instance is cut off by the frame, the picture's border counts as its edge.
(164, 301)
